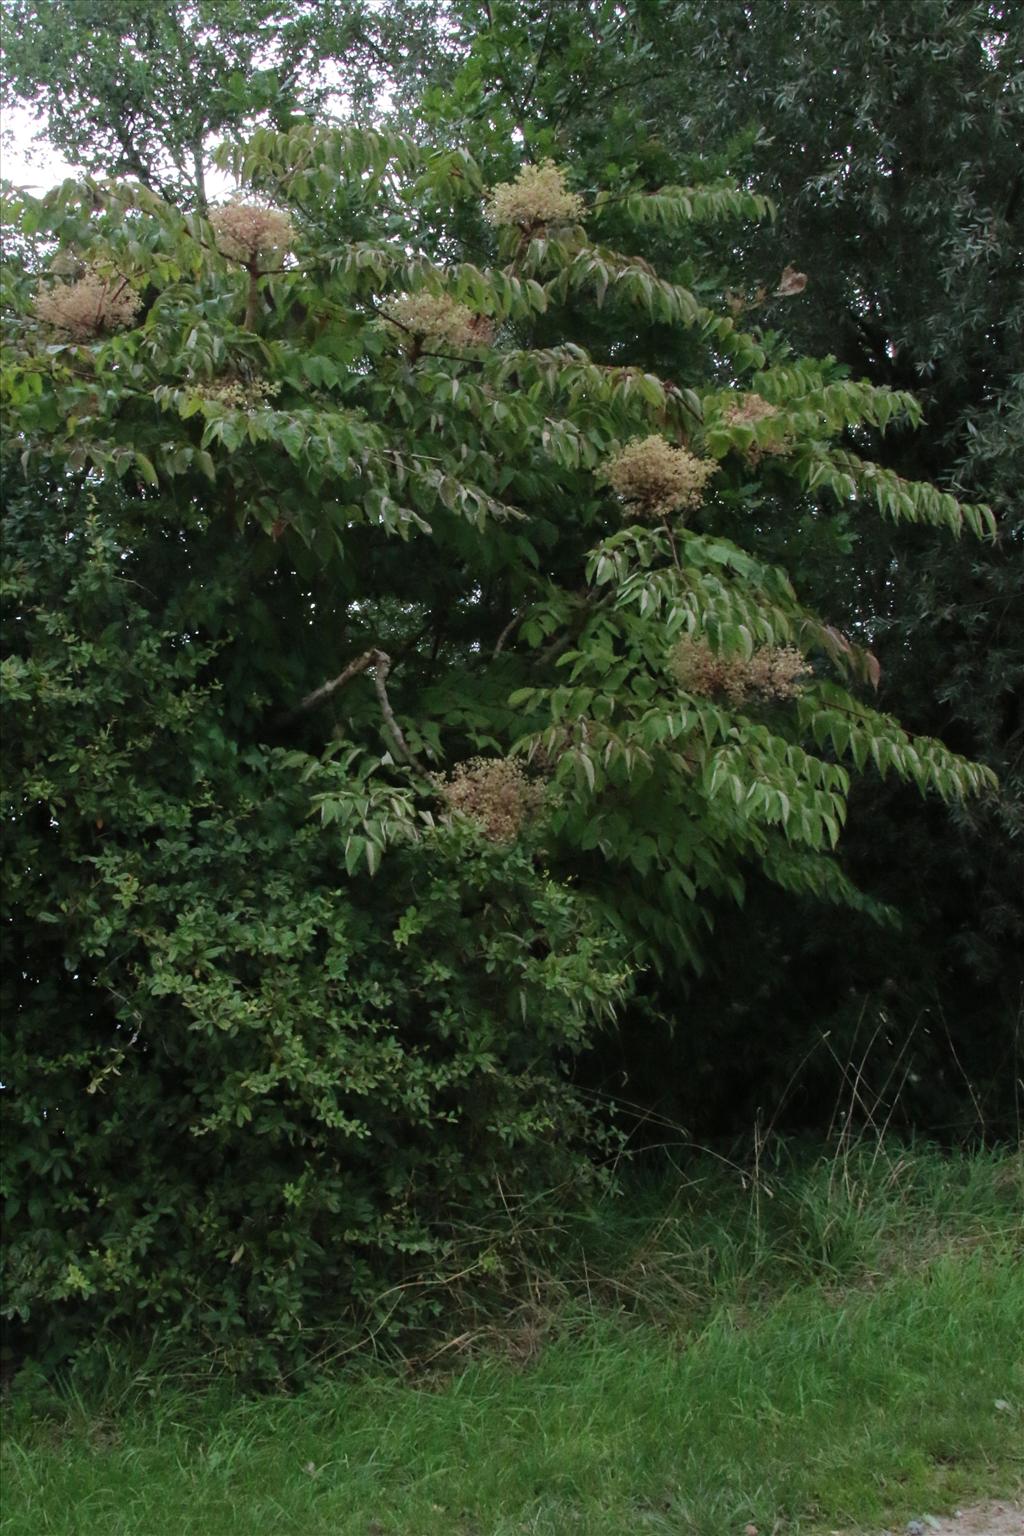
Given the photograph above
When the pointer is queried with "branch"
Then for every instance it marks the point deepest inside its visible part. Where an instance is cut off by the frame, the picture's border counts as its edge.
(381, 668)
(540, 55)
(509, 627)
(252, 298)
(380, 661)
(316, 698)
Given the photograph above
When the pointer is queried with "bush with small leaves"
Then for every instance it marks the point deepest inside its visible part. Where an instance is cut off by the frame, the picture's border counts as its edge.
(248, 1091)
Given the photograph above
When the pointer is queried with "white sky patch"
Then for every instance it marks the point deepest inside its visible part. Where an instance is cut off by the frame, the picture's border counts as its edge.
(27, 158)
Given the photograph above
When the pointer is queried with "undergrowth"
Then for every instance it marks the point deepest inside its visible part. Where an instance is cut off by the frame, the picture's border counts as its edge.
(805, 1344)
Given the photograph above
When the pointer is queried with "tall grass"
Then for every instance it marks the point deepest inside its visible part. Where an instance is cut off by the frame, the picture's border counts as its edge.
(811, 1345)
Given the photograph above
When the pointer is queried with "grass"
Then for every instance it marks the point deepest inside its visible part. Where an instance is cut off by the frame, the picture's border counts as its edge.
(838, 1345)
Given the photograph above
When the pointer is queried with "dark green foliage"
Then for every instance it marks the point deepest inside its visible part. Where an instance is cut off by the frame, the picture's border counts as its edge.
(239, 1096)
(890, 145)
(892, 150)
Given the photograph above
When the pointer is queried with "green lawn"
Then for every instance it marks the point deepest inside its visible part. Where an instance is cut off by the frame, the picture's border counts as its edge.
(844, 1350)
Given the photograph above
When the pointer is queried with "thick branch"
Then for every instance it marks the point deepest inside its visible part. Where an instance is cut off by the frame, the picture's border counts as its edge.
(200, 178)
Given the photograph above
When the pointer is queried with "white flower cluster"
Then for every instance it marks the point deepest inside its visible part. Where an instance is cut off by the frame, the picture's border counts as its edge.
(772, 672)
(537, 196)
(239, 395)
(494, 792)
(93, 305)
(250, 233)
(748, 410)
(654, 479)
(440, 318)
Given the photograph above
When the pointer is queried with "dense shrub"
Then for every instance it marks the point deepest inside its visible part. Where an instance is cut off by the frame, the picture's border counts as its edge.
(239, 1096)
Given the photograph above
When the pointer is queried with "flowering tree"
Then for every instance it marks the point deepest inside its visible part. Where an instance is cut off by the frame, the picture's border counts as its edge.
(888, 137)
(391, 679)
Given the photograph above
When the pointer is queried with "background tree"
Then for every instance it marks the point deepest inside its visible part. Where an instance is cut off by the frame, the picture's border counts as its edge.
(890, 150)
(128, 89)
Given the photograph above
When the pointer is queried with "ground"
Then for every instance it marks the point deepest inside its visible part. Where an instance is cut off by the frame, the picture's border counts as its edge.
(995, 1519)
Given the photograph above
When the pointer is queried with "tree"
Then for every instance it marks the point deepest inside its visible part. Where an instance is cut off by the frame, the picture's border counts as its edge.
(888, 138)
(129, 89)
(390, 681)
(891, 149)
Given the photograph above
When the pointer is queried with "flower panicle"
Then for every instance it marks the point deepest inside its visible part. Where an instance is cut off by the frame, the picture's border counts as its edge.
(538, 196)
(747, 411)
(493, 792)
(251, 233)
(440, 318)
(93, 304)
(240, 394)
(654, 479)
(772, 672)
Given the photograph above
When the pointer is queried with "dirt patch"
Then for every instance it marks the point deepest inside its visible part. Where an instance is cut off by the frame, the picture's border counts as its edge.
(997, 1519)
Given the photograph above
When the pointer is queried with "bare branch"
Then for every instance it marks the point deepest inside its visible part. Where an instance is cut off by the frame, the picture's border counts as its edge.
(380, 662)
(381, 668)
(509, 627)
(319, 695)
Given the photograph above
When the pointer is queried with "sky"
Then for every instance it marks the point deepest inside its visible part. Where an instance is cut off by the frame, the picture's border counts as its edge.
(36, 166)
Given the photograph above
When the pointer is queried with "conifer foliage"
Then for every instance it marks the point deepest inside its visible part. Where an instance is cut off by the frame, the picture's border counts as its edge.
(388, 688)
